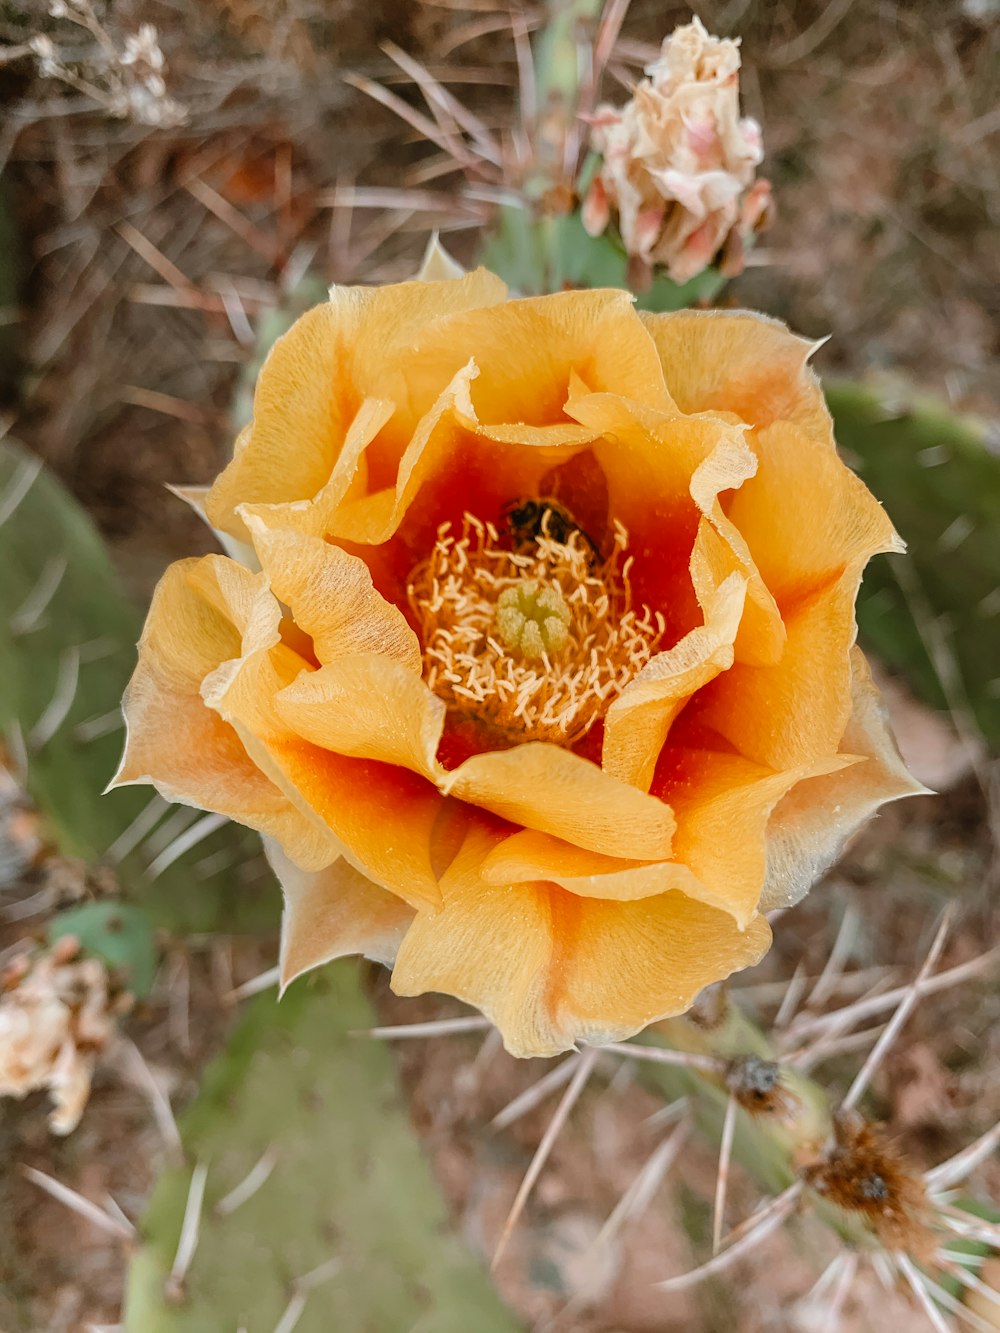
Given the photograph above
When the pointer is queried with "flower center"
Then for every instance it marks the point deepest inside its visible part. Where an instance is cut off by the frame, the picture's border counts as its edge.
(536, 642)
(533, 619)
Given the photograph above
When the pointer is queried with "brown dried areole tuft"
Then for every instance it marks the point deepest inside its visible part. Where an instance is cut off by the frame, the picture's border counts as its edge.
(865, 1173)
(757, 1086)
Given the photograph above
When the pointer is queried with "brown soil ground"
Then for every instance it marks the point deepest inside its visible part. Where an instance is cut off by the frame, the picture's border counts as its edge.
(137, 285)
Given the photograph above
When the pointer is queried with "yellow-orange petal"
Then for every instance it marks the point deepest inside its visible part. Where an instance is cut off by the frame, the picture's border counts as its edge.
(348, 481)
(739, 361)
(176, 743)
(722, 803)
(332, 597)
(527, 349)
(810, 825)
(638, 722)
(381, 818)
(648, 459)
(720, 550)
(551, 968)
(315, 378)
(544, 787)
(451, 450)
(795, 712)
(333, 913)
(369, 707)
(805, 516)
(649, 455)
(528, 856)
(356, 507)
(386, 818)
(372, 519)
(300, 396)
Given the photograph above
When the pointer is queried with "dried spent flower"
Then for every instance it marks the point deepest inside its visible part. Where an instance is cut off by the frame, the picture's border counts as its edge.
(48, 64)
(678, 162)
(56, 1016)
(863, 1172)
(125, 78)
(142, 48)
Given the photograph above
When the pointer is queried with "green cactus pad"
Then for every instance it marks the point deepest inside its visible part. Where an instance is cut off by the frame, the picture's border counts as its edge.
(67, 649)
(934, 614)
(348, 1184)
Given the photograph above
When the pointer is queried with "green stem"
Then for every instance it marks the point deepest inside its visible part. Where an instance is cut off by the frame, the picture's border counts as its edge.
(557, 56)
(557, 66)
(772, 1146)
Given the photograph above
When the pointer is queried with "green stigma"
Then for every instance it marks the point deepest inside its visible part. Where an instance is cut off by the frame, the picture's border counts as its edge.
(533, 619)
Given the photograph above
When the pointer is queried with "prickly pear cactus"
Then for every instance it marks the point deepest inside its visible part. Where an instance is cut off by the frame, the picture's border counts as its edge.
(312, 1116)
(934, 614)
(67, 648)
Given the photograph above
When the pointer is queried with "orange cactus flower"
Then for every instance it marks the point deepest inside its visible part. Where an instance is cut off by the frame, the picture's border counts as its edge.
(533, 655)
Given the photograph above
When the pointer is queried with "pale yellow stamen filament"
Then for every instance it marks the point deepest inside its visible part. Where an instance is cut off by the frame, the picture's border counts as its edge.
(535, 643)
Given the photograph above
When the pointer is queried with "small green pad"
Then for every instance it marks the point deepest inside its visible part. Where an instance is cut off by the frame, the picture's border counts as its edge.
(121, 934)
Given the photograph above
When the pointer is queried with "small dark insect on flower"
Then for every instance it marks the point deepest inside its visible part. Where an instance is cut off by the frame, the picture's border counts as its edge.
(528, 519)
(865, 1173)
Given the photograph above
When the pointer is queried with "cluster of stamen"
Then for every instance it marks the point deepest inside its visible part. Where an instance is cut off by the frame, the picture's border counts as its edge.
(535, 642)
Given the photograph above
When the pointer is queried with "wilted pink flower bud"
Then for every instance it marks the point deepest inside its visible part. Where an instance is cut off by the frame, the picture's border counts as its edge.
(679, 161)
